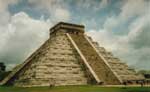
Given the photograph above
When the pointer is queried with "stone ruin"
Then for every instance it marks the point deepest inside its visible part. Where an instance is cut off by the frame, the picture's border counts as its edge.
(69, 57)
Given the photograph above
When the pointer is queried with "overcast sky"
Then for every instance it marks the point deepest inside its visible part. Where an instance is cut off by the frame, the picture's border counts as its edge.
(121, 26)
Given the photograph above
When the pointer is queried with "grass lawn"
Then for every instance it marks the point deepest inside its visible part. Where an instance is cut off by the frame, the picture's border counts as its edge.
(88, 88)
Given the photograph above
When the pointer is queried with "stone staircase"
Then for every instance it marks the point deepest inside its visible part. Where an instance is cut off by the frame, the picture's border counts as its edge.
(69, 57)
(102, 70)
(61, 63)
(56, 63)
(123, 71)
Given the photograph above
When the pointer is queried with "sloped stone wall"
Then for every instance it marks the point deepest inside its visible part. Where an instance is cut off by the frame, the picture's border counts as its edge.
(123, 71)
(95, 61)
(56, 63)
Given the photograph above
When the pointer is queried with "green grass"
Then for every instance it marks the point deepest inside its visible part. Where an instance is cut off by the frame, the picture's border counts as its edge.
(88, 88)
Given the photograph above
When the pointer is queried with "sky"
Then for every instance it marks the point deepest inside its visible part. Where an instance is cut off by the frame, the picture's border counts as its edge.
(121, 26)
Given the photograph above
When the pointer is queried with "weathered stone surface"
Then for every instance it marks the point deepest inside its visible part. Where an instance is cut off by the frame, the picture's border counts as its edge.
(121, 69)
(56, 62)
(69, 57)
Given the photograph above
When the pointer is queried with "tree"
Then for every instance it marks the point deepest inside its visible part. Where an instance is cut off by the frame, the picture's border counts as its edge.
(145, 73)
(2, 67)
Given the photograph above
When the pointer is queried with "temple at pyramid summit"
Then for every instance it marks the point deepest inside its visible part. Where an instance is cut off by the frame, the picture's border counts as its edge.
(70, 57)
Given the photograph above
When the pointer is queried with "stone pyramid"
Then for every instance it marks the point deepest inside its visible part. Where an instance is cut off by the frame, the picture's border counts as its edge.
(69, 57)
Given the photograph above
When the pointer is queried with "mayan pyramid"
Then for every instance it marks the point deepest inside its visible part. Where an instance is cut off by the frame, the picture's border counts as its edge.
(69, 57)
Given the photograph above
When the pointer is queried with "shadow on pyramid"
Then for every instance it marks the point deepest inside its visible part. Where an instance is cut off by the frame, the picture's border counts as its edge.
(69, 57)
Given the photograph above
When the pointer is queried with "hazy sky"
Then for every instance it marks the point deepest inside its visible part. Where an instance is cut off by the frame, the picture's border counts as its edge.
(121, 26)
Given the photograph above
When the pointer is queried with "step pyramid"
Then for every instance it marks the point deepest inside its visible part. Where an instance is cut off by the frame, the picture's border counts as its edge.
(69, 57)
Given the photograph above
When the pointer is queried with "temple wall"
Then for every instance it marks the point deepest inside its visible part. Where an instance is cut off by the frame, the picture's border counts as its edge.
(69, 57)
(122, 70)
(58, 63)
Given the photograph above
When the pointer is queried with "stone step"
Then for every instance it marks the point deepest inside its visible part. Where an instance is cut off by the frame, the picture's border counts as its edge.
(94, 60)
(120, 68)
